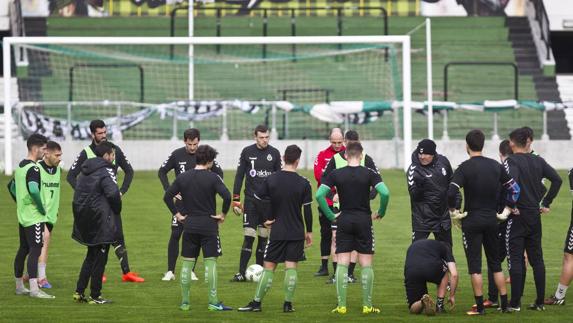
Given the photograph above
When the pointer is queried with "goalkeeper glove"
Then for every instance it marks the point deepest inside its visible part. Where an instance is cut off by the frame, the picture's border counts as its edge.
(236, 204)
(504, 214)
(457, 214)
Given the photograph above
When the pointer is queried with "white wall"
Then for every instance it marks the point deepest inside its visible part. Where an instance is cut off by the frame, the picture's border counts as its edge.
(148, 155)
(558, 11)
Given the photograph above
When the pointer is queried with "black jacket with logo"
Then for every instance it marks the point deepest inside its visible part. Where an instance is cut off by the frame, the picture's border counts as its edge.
(97, 203)
(428, 187)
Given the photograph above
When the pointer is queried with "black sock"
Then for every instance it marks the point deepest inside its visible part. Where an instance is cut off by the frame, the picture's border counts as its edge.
(440, 303)
(261, 244)
(121, 254)
(246, 253)
(334, 263)
(479, 302)
(351, 267)
(324, 264)
(503, 301)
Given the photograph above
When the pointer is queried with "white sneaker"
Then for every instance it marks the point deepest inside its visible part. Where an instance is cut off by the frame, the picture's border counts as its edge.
(41, 294)
(168, 276)
(193, 276)
(22, 291)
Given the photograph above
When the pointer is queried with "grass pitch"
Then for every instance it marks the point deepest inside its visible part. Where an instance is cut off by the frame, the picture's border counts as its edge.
(147, 229)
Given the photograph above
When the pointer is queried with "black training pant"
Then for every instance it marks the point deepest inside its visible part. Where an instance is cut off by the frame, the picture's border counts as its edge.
(524, 234)
(93, 269)
(31, 243)
(325, 234)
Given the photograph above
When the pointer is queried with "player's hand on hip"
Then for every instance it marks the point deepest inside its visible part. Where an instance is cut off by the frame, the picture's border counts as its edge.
(268, 223)
(219, 217)
(178, 197)
(180, 217)
(237, 206)
(335, 198)
(375, 216)
(308, 239)
(544, 209)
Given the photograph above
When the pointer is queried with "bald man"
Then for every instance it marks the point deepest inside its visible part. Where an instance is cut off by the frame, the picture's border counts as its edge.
(336, 145)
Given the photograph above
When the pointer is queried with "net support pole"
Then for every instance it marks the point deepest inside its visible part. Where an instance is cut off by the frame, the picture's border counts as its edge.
(545, 135)
(174, 127)
(429, 78)
(191, 52)
(274, 133)
(445, 136)
(495, 136)
(117, 135)
(6, 44)
(407, 99)
(224, 130)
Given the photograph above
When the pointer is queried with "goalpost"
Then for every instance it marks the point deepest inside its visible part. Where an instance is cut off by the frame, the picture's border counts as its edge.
(347, 66)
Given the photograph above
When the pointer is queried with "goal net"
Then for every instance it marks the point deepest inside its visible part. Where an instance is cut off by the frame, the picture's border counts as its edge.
(153, 88)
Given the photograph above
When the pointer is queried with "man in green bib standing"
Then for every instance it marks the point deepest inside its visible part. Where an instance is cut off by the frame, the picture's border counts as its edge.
(50, 175)
(98, 131)
(31, 216)
(336, 162)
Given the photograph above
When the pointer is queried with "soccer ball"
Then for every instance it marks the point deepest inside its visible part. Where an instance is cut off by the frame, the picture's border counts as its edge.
(254, 273)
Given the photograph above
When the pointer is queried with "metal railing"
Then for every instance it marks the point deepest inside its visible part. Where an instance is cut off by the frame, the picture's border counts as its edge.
(495, 116)
(265, 26)
(543, 21)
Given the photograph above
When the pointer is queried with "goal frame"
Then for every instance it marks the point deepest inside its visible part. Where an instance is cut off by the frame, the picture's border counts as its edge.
(8, 42)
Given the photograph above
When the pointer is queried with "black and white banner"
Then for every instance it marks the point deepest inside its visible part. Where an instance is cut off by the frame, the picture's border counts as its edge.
(56, 128)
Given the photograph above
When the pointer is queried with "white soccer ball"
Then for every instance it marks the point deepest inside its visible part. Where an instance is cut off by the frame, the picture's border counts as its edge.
(254, 273)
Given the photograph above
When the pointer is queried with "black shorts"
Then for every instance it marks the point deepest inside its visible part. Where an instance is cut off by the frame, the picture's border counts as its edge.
(569, 240)
(354, 232)
(50, 226)
(415, 282)
(32, 236)
(486, 235)
(193, 243)
(278, 251)
(256, 212)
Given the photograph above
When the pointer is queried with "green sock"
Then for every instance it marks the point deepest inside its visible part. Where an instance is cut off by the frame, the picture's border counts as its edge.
(186, 280)
(341, 283)
(211, 275)
(264, 284)
(367, 283)
(290, 283)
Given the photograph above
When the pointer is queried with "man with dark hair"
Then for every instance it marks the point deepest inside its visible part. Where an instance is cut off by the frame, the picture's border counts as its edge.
(288, 193)
(567, 270)
(50, 175)
(524, 229)
(26, 188)
(355, 231)
(482, 179)
(50, 192)
(428, 261)
(428, 179)
(97, 201)
(256, 163)
(336, 145)
(493, 292)
(99, 135)
(180, 161)
(336, 162)
(198, 188)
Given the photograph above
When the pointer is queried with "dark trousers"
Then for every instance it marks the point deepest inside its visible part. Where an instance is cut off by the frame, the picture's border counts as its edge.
(492, 288)
(325, 234)
(524, 234)
(93, 269)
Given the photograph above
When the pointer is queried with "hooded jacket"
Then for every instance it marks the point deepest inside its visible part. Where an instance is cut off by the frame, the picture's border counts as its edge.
(428, 187)
(97, 202)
